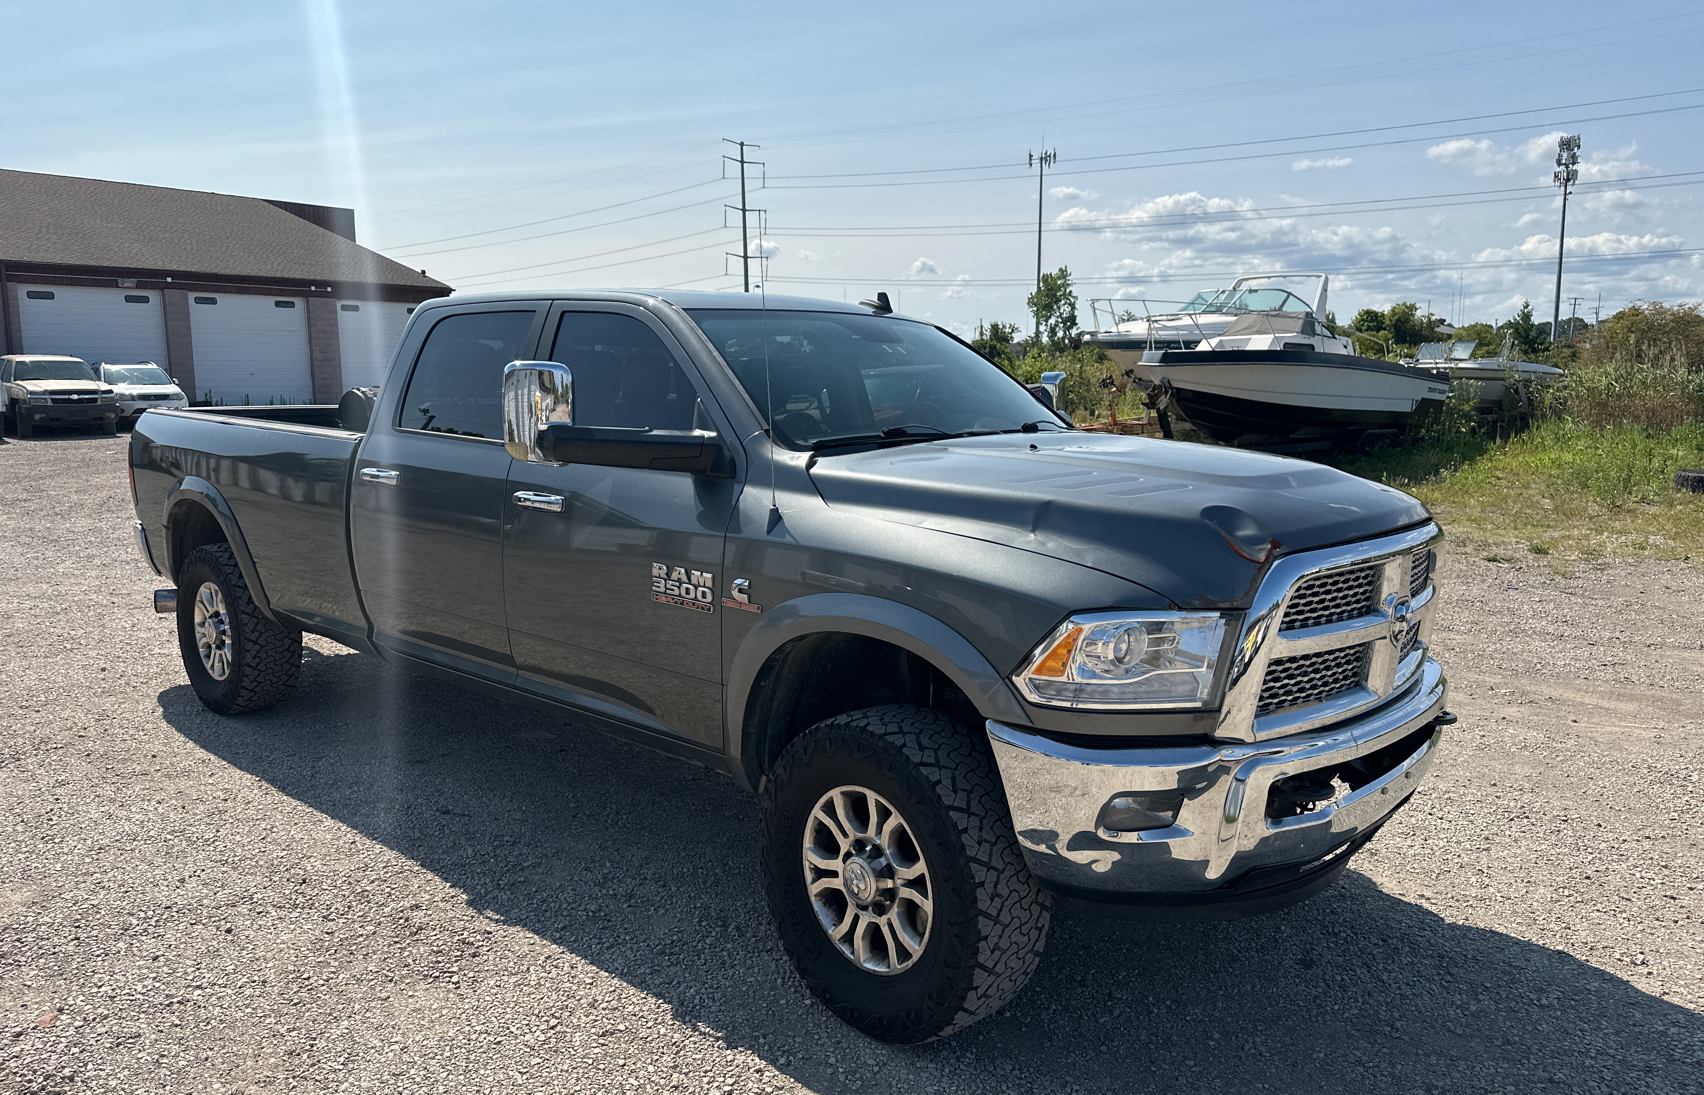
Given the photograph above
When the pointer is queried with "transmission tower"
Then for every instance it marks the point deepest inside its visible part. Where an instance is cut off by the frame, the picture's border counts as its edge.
(744, 207)
(1567, 174)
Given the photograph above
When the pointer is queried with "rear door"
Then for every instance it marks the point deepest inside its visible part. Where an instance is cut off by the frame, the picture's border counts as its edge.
(428, 498)
(614, 599)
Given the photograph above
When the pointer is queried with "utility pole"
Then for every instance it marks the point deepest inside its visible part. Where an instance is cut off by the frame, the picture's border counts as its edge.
(1567, 174)
(1597, 313)
(745, 238)
(1041, 161)
(1574, 313)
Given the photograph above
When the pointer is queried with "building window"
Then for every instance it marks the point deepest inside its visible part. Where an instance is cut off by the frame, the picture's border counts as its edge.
(283, 304)
(39, 294)
(350, 307)
(135, 298)
(206, 300)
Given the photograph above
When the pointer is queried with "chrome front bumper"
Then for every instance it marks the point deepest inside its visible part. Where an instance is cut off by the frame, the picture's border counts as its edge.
(1222, 831)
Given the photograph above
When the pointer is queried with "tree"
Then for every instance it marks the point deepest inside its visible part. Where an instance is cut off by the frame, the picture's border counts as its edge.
(1526, 338)
(1408, 327)
(1054, 307)
(996, 344)
(1368, 319)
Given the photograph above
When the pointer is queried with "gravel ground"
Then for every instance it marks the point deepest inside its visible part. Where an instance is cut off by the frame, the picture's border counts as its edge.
(388, 884)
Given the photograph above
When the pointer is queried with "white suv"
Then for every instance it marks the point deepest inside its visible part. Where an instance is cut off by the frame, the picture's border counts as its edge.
(141, 386)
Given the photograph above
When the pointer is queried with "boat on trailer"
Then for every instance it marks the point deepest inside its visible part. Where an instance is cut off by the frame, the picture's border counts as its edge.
(1206, 315)
(1281, 380)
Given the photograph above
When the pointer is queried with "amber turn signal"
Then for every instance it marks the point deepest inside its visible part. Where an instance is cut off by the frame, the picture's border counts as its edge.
(1054, 662)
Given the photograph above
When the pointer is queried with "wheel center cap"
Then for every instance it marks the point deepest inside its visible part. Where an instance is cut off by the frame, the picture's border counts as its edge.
(860, 881)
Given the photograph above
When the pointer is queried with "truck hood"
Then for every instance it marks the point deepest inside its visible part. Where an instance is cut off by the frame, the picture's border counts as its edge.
(1196, 524)
(69, 387)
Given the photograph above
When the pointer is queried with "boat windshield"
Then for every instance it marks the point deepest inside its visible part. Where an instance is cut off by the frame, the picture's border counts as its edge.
(840, 378)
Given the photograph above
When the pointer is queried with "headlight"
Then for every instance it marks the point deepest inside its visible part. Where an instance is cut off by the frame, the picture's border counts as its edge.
(1126, 660)
(41, 399)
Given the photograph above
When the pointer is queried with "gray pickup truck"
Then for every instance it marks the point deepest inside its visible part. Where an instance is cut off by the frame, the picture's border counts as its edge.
(973, 660)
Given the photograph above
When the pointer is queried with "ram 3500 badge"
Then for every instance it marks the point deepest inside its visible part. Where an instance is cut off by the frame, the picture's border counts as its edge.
(995, 660)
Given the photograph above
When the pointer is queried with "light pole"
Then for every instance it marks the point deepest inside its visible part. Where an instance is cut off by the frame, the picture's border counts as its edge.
(1567, 174)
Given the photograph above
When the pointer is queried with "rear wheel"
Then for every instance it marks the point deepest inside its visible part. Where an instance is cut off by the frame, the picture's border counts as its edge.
(1690, 480)
(236, 658)
(894, 876)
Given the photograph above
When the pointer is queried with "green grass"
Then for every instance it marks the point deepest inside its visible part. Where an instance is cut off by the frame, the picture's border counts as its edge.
(1561, 489)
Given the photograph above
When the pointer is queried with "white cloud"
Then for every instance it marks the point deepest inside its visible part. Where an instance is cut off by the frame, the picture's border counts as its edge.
(959, 288)
(921, 268)
(762, 249)
(1487, 157)
(1071, 194)
(1327, 163)
(1602, 243)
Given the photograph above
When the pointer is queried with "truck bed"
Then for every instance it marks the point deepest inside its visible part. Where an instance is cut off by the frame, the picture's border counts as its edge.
(284, 473)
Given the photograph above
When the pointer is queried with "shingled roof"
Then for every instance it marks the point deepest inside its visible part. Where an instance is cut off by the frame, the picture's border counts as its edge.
(57, 220)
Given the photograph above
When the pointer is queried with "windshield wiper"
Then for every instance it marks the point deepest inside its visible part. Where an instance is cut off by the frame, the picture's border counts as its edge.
(1035, 427)
(890, 435)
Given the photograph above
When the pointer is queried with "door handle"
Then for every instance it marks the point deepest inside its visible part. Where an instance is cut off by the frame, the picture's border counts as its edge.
(381, 475)
(550, 503)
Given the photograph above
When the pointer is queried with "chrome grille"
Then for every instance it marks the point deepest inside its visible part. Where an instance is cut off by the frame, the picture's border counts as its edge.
(1332, 597)
(1419, 571)
(1312, 678)
(69, 400)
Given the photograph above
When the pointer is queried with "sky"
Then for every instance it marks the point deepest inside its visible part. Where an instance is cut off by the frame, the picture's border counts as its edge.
(1407, 152)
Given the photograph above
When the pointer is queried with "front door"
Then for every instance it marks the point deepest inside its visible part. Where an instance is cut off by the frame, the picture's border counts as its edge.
(428, 499)
(613, 601)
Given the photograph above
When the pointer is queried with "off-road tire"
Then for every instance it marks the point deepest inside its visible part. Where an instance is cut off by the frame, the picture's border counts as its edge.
(266, 659)
(991, 918)
(22, 427)
(1690, 480)
(109, 426)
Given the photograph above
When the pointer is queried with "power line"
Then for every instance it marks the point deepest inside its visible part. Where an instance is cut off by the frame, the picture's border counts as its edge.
(1014, 118)
(1072, 172)
(1265, 140)
(1115, 222)
(1180, 275)
(623, 262)
(552, 220)
(594, 255)
(570, 231)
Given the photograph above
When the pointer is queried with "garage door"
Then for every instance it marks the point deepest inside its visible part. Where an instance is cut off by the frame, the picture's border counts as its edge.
(367, 333)
(252, 349)
(93, 324)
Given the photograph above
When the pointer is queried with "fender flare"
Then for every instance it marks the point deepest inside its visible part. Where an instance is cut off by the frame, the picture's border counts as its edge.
(195, 491)
(877, 618)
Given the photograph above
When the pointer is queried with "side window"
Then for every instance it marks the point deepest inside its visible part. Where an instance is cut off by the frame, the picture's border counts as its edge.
(457, 383)
(623, 374)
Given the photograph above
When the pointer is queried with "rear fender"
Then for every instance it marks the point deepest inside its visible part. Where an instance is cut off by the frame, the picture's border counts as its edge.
(857, 614)
(195, 491)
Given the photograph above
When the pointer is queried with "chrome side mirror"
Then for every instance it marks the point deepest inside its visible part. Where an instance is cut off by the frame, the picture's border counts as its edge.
(535, 394)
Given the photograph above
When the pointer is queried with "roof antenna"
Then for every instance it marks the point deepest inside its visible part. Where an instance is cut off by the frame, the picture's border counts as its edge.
(769, 406)
(880, 305)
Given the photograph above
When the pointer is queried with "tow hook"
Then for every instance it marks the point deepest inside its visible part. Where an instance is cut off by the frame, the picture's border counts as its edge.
(165, 601)
(1445, 718)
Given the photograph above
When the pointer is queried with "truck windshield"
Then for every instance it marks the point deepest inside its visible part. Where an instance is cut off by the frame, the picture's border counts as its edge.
(134, 374)
(822, 377)
(65, 368)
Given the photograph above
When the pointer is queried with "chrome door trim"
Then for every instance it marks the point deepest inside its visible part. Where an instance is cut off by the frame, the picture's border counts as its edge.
(381, 475)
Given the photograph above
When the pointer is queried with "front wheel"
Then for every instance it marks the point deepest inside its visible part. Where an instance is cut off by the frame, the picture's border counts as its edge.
(894, 876)
(236, 658)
